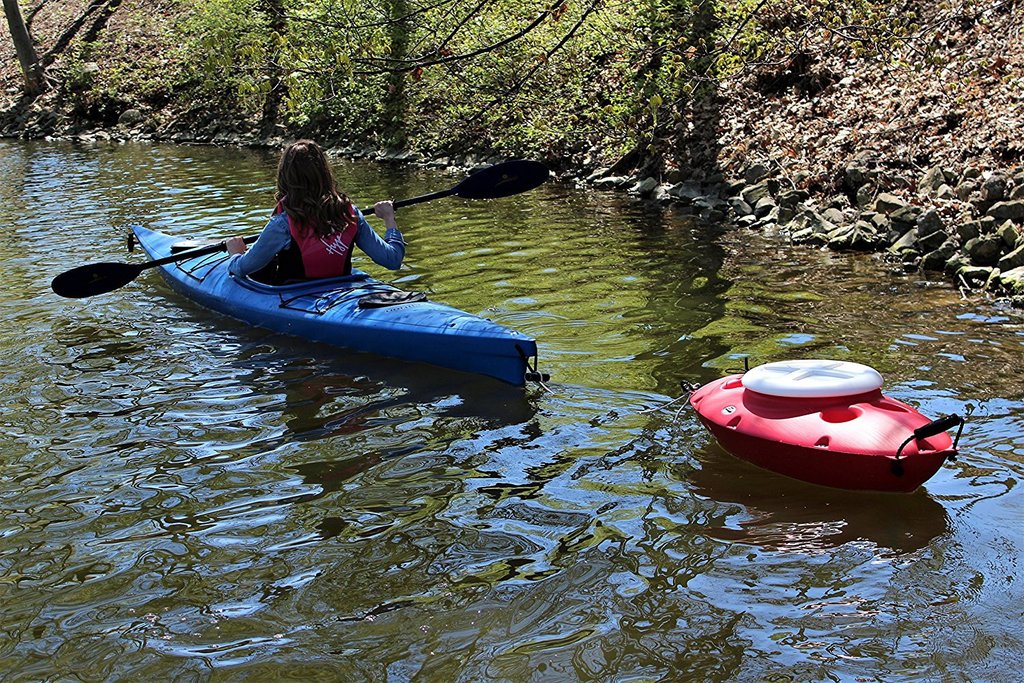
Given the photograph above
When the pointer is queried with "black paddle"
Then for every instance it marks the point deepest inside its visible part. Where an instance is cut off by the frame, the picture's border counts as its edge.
(500, 180)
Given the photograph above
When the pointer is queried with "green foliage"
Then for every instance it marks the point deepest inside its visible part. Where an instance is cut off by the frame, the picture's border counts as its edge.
(570, 79)
(224, 49)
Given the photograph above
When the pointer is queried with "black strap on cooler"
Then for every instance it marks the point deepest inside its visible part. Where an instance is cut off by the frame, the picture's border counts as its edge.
(937, 426)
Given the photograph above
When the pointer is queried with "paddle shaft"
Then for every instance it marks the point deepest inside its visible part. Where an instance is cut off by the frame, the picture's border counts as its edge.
(221, 246)
(416, 200)
(493, 182)
(192, 253)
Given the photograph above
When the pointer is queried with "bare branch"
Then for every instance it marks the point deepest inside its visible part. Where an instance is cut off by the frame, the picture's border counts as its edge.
(402, 65)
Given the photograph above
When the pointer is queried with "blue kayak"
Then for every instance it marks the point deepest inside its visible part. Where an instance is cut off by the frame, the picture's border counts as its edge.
(355, 312)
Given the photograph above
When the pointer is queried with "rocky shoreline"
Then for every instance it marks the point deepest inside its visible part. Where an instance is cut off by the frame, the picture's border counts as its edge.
(967, 224)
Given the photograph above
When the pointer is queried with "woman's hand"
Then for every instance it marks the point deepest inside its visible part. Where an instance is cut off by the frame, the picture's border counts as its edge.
(386, 212)
(235, 245)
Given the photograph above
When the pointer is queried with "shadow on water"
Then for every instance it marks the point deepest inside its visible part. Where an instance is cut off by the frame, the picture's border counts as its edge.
(789, 515)
(225, 395)
(315, 407)
(190, 497)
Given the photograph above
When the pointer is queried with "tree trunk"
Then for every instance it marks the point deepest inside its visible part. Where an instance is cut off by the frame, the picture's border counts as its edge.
(394, 100)
(277, 22)
(25, 48)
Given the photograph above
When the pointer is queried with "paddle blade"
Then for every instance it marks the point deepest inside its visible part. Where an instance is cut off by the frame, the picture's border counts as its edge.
(93, 279)
(503, 180)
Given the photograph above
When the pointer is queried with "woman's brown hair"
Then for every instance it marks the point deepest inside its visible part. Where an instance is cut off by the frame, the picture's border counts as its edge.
(309, 193)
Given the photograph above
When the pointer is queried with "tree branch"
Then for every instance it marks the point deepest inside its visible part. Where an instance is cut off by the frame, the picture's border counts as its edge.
(401, 65)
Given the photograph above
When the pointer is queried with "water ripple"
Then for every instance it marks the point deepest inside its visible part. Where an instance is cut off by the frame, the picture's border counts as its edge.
(187, 497)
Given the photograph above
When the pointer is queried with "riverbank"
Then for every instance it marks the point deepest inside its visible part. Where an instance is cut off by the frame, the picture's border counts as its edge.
(917, 157)
(909, 150)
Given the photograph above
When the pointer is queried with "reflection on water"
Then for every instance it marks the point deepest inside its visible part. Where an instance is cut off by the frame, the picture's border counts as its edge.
(185, 497)
(792, 516)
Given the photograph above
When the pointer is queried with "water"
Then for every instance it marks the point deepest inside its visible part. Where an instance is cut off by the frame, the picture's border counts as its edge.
(185, 498)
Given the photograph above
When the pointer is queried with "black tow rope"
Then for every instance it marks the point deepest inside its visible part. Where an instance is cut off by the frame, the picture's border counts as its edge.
(937, 426)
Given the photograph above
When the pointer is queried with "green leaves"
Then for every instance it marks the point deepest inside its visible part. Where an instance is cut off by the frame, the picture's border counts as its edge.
(573, 78)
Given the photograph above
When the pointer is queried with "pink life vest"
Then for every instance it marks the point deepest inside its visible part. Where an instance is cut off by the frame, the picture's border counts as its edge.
(328, 256)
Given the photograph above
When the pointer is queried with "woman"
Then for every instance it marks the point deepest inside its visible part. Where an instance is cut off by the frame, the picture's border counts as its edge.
(314, 226)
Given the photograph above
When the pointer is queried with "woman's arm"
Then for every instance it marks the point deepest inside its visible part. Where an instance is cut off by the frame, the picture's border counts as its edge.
(273, 239)
(388, 251)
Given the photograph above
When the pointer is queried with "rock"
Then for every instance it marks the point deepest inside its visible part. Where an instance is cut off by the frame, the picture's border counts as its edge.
(809, 226)
(929, 222)
(804, 236)
(857, 175)
(752, 194)
(984, 251)
(792, 198)
(931, 181)
(676, 175)
(988, 224)
(1010, 235)
(879, 220)
(968, 231)
(993, 189)
(937, 259)
(965, 189)
(764, 207)
(686, 192)
(645, 187)
(865, 196)
(1015, 259)
(1010, 210)
(821, 223)
(130, 117)
(906, 215)
(930, 232)
(713, 216)
(861, 236)
(740, 207)
(710, 209)
(735, 187)
(785, 213)
(1013, 280)
(1017, 192)
(830, 215)
(887, 203)
(610, 182)
(931, 241)
(754, 173)
(905, 244)
(840, 238)
(978, 276)
(955, 264)
(834, 216)
(945, 192)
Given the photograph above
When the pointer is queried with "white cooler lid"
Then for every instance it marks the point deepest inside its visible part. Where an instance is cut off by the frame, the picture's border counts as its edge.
(812, 378)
